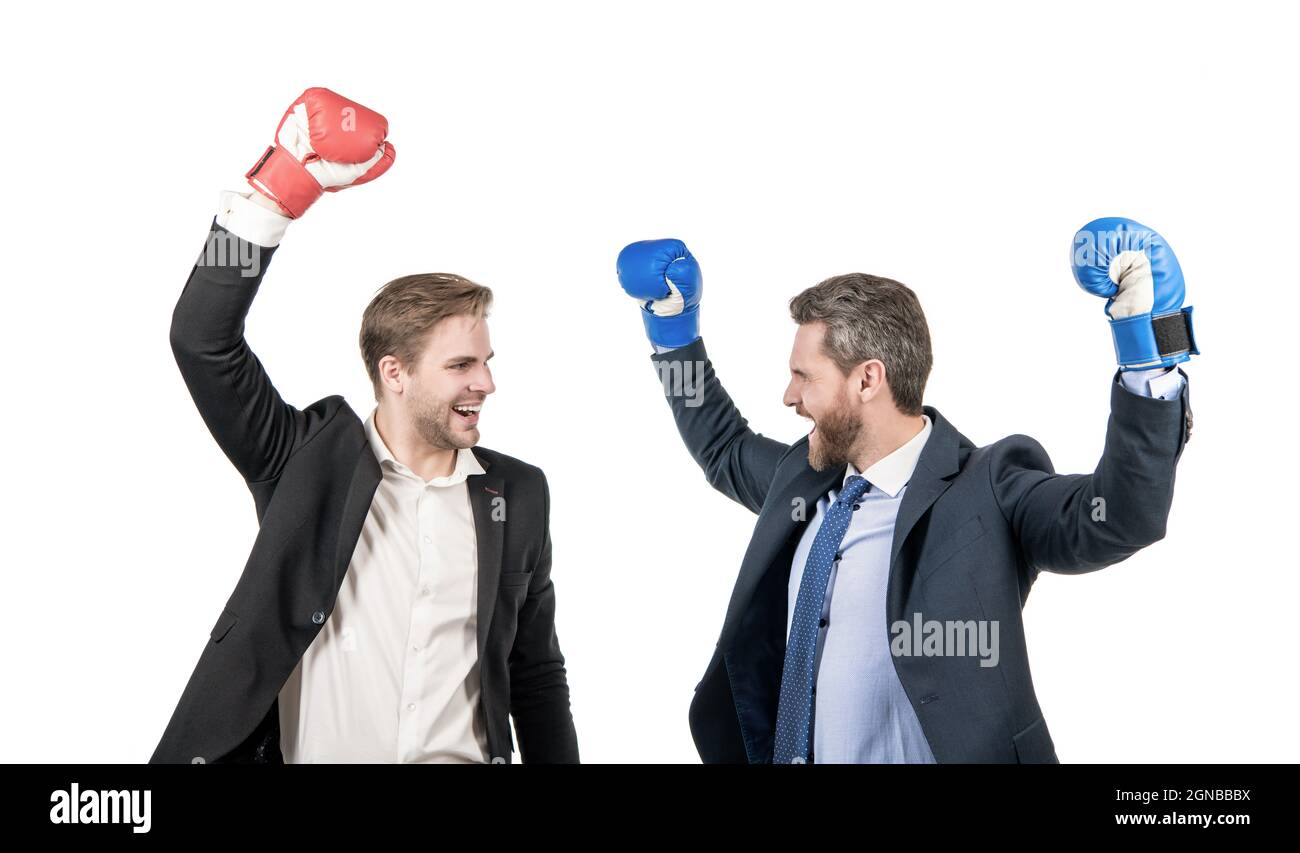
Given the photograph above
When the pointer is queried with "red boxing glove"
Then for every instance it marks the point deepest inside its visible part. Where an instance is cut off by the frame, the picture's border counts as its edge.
(324, 143)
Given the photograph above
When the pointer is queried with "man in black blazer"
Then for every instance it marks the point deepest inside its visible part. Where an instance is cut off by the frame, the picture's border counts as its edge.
(397, 605)
(877, 614)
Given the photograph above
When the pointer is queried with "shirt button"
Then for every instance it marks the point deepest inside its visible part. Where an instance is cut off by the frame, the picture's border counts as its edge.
(428, 539)
(415, 648)
(411, 706)
(318, 617)
(424, 589)
(823, 622)
(857, 507)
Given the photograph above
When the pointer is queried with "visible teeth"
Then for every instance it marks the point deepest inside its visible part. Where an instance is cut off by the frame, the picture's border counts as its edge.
(465, 410)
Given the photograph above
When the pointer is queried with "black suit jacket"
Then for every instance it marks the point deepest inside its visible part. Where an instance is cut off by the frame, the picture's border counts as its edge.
(312, 475)
(975, 527)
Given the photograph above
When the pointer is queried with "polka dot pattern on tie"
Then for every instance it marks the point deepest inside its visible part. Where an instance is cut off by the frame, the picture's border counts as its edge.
(794, 712)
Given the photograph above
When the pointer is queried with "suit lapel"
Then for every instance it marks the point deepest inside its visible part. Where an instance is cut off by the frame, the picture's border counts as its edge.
(937, 462)
(487, 500)
(365, 480)
(790, 509)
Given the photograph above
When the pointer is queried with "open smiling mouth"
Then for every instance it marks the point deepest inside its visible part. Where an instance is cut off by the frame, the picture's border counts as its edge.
(468, 412)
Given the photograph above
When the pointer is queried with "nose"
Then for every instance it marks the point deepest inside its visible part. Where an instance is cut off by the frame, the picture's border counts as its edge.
(790, 398)
(483, 383)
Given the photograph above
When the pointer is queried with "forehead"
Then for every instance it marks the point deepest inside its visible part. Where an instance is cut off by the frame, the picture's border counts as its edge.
(807, 350)
(461, 333)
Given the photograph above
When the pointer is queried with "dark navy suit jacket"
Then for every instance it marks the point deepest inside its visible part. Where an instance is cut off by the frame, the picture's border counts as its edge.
(974, 529)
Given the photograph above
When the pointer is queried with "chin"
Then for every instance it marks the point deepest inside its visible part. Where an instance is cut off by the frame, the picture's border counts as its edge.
(815, 460)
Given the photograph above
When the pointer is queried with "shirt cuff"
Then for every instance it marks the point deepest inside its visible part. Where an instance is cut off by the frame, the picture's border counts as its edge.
(248, 220)
(1162, 383)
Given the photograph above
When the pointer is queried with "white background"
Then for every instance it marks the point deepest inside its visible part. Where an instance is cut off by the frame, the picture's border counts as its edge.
(954, 147)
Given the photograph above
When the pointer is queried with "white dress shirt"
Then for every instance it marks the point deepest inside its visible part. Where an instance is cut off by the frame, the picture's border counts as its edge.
(393, 675)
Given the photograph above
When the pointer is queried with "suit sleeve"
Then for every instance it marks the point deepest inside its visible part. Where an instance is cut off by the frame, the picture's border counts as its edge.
(539, 687)
(253, 425)
(736, 461)
(1074, 523)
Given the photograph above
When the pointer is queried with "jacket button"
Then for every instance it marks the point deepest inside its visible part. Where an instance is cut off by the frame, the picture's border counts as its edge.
(318, 617)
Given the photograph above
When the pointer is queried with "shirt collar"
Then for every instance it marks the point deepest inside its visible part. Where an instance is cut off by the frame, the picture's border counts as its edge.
(890, 474)
(467, 463)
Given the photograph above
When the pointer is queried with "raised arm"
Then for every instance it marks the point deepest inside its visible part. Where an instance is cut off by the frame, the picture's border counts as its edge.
(737, 461)
(252, 424)
(1081, 522)
(1074, 523)
(324, 143)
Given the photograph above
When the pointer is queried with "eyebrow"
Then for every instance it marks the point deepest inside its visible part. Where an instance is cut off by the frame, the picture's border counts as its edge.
(797, 372)
(457, 359)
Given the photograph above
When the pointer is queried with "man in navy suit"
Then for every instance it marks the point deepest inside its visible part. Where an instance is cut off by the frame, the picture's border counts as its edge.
(877, 614)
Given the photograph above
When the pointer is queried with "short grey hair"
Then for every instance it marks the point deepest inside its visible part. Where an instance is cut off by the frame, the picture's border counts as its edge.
(869, 317)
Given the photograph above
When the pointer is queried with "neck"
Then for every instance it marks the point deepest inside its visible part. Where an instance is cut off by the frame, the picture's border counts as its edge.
(409, 448)
(883, 438)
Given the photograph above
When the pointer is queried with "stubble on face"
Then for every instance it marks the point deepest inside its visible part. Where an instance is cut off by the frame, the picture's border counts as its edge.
(432, 419)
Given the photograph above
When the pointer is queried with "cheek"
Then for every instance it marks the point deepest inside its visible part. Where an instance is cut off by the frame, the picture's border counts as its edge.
(826, 404)
(423, 398)
(435, 390)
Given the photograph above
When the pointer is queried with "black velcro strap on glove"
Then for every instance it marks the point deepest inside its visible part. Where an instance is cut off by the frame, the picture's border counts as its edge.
(1173, 333)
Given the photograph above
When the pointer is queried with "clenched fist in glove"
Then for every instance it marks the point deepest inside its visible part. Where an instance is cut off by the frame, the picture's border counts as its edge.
(665, 278)
(324, 143)
(1136, 270)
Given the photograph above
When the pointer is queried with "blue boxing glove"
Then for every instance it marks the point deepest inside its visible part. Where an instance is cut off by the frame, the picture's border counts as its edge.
(1136, 270)
(663, 276)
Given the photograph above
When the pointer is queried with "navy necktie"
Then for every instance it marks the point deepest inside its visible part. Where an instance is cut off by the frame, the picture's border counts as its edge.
(794, 714)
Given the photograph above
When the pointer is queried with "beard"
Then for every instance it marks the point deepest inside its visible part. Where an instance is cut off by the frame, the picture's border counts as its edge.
(831, 445)
(432, 419)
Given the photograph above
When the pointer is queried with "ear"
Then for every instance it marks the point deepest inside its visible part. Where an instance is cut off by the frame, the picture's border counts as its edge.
(869, 379)
(391, 374)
